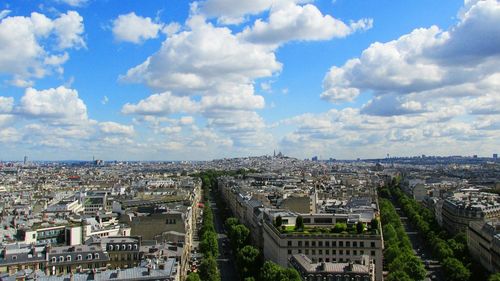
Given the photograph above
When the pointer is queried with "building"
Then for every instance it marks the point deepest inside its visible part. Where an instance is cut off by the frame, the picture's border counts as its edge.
(483, 241)
(361, 270)
(322, 246)
(470, 206)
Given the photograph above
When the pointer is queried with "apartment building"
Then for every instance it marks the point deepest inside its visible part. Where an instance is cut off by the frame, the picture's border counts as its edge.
(465, 207)
(483, 241)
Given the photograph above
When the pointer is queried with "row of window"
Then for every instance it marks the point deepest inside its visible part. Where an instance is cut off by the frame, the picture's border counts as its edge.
(78, 258)
(313, 243)
(327, 252)
(122, 247)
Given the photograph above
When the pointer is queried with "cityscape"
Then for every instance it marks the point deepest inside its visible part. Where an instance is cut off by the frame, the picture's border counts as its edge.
(252, 140)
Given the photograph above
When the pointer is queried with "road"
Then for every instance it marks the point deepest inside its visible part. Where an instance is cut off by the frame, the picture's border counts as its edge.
(420, 248)
(226, 259)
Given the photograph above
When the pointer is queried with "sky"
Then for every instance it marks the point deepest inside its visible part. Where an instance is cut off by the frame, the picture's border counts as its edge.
(180, 80)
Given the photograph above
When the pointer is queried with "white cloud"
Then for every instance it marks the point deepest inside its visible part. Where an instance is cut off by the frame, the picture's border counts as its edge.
(104, 100)
(59, 105)
(231, 12)
(6, 104)
(136, 29)
(161, 104)
(113, 128)
(4, 13)
(26, 48)
(300, 22)
(74, 3)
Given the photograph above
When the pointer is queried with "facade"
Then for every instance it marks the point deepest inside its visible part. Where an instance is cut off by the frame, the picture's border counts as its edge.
(333, 271)
(465, 207)
(483, 241)
(343, 248)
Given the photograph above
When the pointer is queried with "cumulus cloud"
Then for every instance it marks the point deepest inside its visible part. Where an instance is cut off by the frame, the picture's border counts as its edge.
(74, 3)
(135, 29)
(113, 128)
(161, 104)
(300, 22)
(24, 51)
(425, 65)
(59, 105)
(231, 12)
(6, 104)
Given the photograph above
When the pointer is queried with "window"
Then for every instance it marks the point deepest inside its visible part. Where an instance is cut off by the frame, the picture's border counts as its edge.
(354, 252)
(362, 244)
(372, 244)
(124, 247)
(341, 252)
(300, 243)
(130, 247)
(96, 256)
(289, 243)
(313, 252)
(14, 257)
(327, 252)
(347, 252)
(61, 258)
(341, 243)
(320, 252)
(307, 251)
(313, 243)
(300, 251)
(307, 243)
(68, 258)
(355, 243)
(110, 247)
(320, 243)
(289, 252)
(89, 256)
(334, 243)
(327, 243)
(348, 244)
(79, 257)
(135, 246)
(361, 252)
(373, 253)
(334, 252)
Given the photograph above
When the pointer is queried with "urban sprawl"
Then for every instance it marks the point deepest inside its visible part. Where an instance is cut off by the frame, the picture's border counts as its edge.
(252, 218)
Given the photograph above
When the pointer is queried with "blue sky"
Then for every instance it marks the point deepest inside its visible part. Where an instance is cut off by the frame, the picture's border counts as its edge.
(172, 80)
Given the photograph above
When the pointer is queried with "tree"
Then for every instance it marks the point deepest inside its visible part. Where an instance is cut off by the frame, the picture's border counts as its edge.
(231, 222)
(494, 277)
(239, 235)
(374, 224)
(209, 270)
(360, 227)
(398, 275)
(299, 223)
(248, 261)
(279, 221)
(193, 276)
(339, 227)
(455, 270)
(209, 244)
(271, 272)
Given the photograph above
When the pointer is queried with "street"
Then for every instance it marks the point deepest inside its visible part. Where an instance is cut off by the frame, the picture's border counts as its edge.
(226, 259)
(421, 250)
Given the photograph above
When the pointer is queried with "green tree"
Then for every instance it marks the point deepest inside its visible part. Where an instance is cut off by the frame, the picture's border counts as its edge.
(209, 270)
(398, 275)
(339, 227)
(279, 221)
(209, 244)
(248, 261)
(455, 270)
(360, 227)
(271, 272)
(231, 222)
(494, 277)
(299, 223)
(239, 236)
(374, 224)
(193, 276)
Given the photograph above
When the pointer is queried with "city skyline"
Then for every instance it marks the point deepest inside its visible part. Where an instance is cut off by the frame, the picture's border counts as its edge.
(171, 80)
